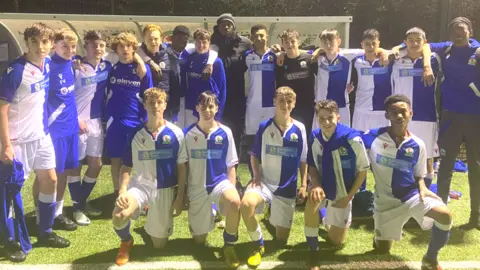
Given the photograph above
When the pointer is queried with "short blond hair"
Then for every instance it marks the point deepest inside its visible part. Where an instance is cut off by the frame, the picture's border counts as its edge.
(155, 93)
(66, 35)
(286, 92)
(151, 28)
(124, 38)
(201, 34)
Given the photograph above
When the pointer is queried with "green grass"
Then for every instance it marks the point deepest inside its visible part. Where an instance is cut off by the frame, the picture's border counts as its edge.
(98, 242)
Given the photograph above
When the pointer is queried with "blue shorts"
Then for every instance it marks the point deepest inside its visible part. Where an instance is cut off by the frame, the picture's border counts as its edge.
(66, 152)
(118, 136)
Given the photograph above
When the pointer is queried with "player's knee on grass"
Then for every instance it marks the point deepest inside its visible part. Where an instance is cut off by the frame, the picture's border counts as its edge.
(282, 234)
(94, 164)
(383, 246)
(200, 239)
(159, 242)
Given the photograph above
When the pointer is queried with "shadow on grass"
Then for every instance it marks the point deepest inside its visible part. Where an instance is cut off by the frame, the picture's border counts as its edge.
(363, 222)
(421, 237)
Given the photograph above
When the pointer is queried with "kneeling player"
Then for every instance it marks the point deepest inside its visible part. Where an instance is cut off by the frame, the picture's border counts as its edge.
(398, 161)
(211, 179)
(280, 149)
(338, 166)
(158, 157)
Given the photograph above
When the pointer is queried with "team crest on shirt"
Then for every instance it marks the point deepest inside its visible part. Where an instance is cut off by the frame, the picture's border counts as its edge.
(270, 58)
(113, 80)
(294, 137)
(167, 139)
(47, 67)
(342, 151)
(409, 152)
(303, 64)
(162, 65)
(37, 87)
(102, 66)
(218, 139)
(64, 90)
(134, 71)
(9, 70)
(472, 61)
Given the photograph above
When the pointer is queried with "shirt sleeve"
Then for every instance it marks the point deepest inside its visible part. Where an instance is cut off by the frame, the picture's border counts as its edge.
(439, 47)
(310, 159)
(232, 158)
(212, 56)
(9, 83)
(420, 169)
(350, 54)
(220, 80)
(257, 143)
(358, 147)
(303, 156)
(142, 54)
(182, 148)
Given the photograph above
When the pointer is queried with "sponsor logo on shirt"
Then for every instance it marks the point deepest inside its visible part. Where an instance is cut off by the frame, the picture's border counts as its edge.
(411, 72)
(39, 86)
(297, 75)
(194, 75)
(100, 77)
(283, 151)
(206, 154)
(218, 139)
(398, 164)
(124, 82)
(167, 139)
(373, 71)
(155, 154)
(262, 67)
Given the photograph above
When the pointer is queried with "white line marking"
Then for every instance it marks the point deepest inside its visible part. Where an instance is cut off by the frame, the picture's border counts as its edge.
(220, 265)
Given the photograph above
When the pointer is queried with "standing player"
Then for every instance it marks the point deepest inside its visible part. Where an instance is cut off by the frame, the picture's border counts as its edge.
(407, 79)
(298, 72)
(165, 66)
(158, 156)
(63, 118)
(90, 84)
(460, 111)
(192, 81)
(279, 152)
(398, 160)
(24, 128)
(260, 67)
(338, 165)
(212, 159)
(124, 105)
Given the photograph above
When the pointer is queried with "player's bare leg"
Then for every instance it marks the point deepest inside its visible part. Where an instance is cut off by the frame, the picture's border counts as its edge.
(230, 202)
(124, 208)
(115, 164)
(250, 201)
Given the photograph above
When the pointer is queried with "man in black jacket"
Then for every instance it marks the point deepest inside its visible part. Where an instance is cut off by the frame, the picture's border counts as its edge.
(231, 48)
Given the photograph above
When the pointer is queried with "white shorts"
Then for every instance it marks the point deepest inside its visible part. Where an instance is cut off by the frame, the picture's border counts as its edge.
(365, 120)
(160, 217)
(344, 117)
(338, 217)
(428, 132)
(91, 143)
(200, 214)
(35, 155)
(190, 118)
(254, 116)
(181, 114)
(282, 209)
(389, 223)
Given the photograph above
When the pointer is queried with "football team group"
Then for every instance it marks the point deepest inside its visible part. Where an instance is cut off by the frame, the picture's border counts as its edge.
(176, 112)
